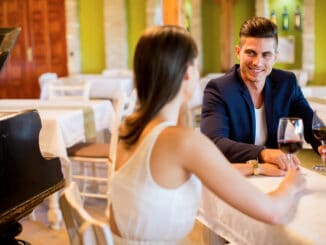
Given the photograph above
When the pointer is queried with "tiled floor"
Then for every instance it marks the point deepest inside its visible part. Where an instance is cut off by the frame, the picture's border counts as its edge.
(38, 232)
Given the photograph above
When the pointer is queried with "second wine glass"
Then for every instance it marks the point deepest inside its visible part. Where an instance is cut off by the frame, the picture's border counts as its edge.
(290, 135)
(319, 130)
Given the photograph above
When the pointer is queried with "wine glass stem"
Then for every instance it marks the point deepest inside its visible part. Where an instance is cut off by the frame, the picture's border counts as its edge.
(323, 158)
(289, 158)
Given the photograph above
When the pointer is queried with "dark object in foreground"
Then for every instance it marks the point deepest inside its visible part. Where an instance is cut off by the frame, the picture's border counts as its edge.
(26, 178)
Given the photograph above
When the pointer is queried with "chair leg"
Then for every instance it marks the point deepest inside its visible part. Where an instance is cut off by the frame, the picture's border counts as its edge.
(93, 185)
(81, 182)
(68, 170)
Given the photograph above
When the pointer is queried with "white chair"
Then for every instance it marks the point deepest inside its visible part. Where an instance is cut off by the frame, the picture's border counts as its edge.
(60, 89)
(129, 103)
(195, 103)
(44, 80)
(81, 227)
(98, 153)
(117, 73)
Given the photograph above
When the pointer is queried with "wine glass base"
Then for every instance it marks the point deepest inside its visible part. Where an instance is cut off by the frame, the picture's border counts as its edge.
(319, 168)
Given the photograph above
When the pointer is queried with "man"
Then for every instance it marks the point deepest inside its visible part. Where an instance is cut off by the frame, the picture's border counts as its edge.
(241, 110)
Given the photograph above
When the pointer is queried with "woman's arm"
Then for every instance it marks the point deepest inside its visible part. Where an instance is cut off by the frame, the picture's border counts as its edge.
(209, 164)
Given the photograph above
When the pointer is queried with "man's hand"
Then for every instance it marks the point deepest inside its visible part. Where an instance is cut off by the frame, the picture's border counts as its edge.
(269, 169)
(277, 157)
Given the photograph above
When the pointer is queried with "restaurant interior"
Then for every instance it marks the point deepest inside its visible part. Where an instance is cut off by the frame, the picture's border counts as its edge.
(69, 73)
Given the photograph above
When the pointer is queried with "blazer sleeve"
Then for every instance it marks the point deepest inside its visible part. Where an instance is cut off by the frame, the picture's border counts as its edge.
(215, 124)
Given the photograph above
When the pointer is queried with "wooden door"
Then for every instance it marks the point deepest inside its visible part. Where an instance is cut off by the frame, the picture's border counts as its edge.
(12, 14)
(41, 46)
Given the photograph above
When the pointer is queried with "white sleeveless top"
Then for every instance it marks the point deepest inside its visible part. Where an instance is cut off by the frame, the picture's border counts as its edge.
(144, 210)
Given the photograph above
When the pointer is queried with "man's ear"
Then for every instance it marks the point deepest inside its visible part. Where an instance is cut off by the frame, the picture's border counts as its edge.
(237, 51)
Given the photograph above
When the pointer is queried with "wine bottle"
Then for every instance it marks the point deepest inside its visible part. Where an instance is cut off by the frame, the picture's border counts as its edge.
(297, 19)
(273, 16)
(285, 19)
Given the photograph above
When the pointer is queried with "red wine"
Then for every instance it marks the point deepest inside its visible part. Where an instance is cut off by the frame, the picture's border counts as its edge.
(290, 146)
(319, 133)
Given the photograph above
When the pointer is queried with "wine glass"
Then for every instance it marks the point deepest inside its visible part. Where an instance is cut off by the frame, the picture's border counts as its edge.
(319, 131)
(290, 135)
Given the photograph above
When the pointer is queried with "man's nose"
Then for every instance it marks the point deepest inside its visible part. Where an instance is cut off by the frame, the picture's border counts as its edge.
(257, 60)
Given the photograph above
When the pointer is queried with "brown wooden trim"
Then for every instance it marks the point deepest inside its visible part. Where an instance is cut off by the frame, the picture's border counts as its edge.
(171, 12)
(227, 40)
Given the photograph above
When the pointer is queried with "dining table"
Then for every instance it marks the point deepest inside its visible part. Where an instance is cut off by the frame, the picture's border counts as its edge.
(306, 223)
(64, 123)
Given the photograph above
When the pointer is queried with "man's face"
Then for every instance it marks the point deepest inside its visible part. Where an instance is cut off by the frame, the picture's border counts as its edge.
(257, 57)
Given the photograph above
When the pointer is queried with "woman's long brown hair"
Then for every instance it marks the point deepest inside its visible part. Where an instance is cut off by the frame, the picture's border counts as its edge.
(161, 59)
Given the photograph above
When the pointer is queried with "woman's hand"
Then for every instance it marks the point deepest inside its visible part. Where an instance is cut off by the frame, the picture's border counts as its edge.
(294, 179)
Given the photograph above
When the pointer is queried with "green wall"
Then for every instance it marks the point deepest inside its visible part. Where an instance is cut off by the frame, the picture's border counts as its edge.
(211, 13)
(320, 43)
(136, 21)
(243, 10)
(92, 33)
(91, 36)
(291, 5)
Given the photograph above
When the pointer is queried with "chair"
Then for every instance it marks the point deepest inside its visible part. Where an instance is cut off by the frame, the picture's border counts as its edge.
(117, 73)
(44, 80)
(81, 227)
(64, 89)
(129, 103)
(195, 103)
(98, 153)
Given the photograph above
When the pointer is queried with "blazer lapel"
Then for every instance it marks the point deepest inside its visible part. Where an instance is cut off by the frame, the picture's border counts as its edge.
(246, 95)
(268, 102)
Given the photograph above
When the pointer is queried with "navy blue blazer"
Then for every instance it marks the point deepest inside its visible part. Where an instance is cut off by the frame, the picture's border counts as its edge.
(228, 116)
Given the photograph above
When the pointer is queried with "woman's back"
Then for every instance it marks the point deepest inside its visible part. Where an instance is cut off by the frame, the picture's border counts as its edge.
(144, 210)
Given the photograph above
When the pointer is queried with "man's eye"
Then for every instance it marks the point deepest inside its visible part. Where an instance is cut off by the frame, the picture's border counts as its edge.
(250, 53)
(268, 55)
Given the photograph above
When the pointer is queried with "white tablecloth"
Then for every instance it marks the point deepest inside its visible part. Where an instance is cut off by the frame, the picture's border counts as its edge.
(307, 227)
(63, 121)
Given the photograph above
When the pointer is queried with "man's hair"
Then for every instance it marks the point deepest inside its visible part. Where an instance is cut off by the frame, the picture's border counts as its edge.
(259, 27)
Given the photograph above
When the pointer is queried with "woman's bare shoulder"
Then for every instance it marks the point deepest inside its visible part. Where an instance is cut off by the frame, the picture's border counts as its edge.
(183, 138)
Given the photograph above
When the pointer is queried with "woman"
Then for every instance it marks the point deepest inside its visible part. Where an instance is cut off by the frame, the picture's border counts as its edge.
(161, 164)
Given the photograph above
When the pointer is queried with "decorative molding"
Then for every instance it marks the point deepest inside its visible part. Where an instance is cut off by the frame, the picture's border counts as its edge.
(72, 37)
(262, 8)
(115, 32)
(154, 15)
(196, 30)
(308, 38)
